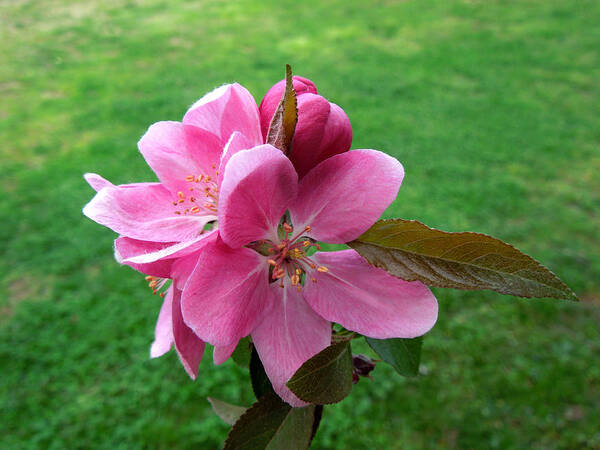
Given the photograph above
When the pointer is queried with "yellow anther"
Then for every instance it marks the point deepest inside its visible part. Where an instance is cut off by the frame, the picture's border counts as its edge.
(306, 243)
(272, 262)
(180, 194)
(207, 178)
(199, 179)
(307, 228)
(180, 200)
(177, 212)
(153, 283)
(298, 272)
(190, 178)
(295, 280)
(187, 210)
(195, 209)
(322, 269)
(149, 278)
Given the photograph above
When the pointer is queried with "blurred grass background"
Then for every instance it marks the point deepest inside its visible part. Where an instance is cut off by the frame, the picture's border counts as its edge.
(492, 107)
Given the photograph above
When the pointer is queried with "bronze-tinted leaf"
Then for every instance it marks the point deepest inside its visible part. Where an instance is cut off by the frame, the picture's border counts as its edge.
(272, 424)
(227, 412)
(326, 377)
(412, 251)
(283, 124)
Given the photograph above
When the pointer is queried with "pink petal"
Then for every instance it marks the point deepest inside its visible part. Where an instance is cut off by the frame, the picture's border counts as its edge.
(182, 268)
(175, 151)
(368, 300)
(163, 333)
(291, 334)
(189, 347)
(271, 100)
(345, 194)
(237, 142)
(227, 294)
(155, 258)
(145, 212)
(222, 354)
(227, 109)
(323, 130)
(258, 186)
(96, 181)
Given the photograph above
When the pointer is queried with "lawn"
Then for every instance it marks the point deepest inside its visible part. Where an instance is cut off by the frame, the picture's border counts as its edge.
(492, 107)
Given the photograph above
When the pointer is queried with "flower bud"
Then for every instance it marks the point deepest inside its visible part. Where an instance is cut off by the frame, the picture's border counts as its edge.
(363, 366)
(323, 129)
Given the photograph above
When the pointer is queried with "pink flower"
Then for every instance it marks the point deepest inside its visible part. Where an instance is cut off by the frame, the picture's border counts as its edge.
(323, 129)
(162, 225)
(253, 278)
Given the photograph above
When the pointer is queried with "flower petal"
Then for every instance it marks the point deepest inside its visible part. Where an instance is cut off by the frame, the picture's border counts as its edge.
(222, 353)
(271, 100)
(175, 151)
(237, 142)
(345, 194)
(323, 130)
(144, 212)
(227, 295)
(96, 181)
(189, 347)
(227, 109)
(163, 333)
(291, 334)
(155, 258)
(367, 299)
(258, 186)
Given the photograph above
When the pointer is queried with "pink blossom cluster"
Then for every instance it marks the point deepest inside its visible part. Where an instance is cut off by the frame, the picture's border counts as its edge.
(237, 226)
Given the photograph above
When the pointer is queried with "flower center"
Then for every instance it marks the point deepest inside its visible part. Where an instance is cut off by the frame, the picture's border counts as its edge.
(202, 195)
(289, 257)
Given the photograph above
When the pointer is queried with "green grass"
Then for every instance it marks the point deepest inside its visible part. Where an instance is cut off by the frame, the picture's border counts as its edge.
(491, 106)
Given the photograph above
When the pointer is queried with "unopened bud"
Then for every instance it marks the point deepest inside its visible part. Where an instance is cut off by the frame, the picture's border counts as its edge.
(363, 366)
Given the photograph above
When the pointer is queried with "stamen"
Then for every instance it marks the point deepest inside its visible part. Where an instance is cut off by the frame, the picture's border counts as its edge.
(272, 262)
(195, 209)
(322, 269)
(190, 178)
(287, 228)
(180, 194)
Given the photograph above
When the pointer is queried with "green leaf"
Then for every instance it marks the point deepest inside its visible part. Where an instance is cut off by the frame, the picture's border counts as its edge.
(326, 377)
(241, 354)
(412, 251)
(283, 124)
(272, 424)
(260, 381)
(227, 412)
(404, 355)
